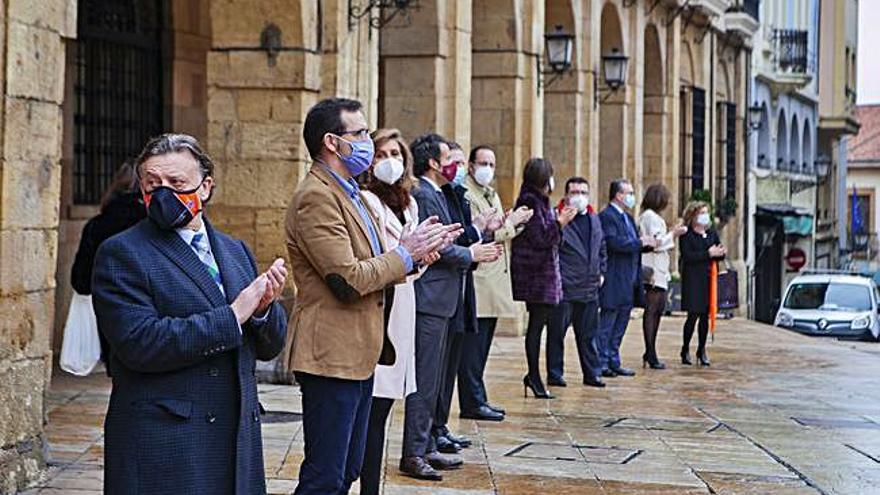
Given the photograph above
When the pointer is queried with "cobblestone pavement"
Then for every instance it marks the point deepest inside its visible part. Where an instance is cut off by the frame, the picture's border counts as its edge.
(776, 413)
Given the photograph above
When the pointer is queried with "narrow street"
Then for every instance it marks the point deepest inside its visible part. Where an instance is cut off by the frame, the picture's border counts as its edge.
(776, 413)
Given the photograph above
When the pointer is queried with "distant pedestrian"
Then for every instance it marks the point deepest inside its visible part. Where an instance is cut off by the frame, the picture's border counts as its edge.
(655, 267)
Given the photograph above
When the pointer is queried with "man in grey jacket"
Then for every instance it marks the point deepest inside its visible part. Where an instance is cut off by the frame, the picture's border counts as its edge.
(582, 261)
(438, 296)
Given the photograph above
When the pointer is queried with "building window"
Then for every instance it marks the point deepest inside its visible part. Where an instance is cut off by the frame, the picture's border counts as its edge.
(118, 89)
(698, 165)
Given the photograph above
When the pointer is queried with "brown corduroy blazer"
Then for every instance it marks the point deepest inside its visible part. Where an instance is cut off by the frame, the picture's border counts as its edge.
(336, 328)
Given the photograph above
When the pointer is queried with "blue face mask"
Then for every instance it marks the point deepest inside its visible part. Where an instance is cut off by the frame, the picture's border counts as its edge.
(460, 174)
(361, 156)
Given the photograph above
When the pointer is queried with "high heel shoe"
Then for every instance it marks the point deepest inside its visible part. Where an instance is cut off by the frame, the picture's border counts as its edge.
(537, 389)
(653, 362)
(686, 358)
(703, 358)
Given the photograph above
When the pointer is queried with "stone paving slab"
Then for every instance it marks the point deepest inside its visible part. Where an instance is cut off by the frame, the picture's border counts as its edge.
(776, 413)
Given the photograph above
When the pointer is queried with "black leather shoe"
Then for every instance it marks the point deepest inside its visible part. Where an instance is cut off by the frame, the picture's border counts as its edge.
(443, 462)
(482, 413)
(608, 373)
(594, 382)
(461, 440)
(418, 468)
(556, 382)
(496, 409)
(624, 372)
(447, 446)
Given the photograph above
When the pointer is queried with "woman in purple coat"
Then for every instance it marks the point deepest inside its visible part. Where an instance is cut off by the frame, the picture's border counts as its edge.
(534, 263)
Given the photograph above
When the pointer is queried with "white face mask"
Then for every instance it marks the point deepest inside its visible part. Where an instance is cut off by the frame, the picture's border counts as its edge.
(703, 219)
(580, 202)
(484, 175)
(552, 184)
(388, 170)
(629, 200)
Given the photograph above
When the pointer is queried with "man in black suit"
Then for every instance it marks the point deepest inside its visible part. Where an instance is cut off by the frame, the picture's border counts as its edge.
(464, 321)
(438, 295)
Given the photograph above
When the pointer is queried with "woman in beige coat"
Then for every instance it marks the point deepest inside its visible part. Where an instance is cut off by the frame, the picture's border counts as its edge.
(492, 283)
(387, 195)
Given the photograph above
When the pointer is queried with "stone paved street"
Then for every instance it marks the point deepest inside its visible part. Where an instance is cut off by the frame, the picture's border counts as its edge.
(776, 413)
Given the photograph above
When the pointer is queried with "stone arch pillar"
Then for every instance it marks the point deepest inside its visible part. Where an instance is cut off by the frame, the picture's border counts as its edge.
(612, 106)
(506, 105)
(564, 117)
(425, 71)
(653, 109)
(257, 103)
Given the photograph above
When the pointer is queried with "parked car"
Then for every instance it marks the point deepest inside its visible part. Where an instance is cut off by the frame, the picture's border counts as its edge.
(839, 305)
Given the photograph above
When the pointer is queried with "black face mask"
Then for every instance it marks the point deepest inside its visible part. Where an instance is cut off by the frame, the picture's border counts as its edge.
(171, 209)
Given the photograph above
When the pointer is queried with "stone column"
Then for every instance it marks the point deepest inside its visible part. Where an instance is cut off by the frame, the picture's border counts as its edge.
(425, 60)
(257, 101)
(32, 86)
(504, 85)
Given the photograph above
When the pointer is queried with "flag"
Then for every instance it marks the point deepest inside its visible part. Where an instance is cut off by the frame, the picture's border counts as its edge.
(857, 225)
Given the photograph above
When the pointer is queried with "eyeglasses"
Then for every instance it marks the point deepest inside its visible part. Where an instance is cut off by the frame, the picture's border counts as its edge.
(359, 134)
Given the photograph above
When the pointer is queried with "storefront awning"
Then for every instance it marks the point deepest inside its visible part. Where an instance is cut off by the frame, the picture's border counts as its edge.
(795, 220)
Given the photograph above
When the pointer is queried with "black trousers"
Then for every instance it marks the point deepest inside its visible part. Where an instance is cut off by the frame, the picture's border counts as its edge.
(371, 472)
(702, 329)
(452, 358)
(539, 316)
(474, 356)
(584, 316)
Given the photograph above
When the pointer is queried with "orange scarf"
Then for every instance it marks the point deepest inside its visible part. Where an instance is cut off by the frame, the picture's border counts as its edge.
(713, 295)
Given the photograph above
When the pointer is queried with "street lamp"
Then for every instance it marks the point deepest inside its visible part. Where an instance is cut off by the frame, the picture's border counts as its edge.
(756, 115)
(559, 48)
(614, 69)
(822, 165)
(356, 11)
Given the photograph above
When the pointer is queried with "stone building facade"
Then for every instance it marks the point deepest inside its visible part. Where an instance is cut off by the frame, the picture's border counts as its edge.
(85, 82)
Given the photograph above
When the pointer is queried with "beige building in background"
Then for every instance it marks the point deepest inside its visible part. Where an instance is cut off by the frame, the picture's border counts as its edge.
(84, 87)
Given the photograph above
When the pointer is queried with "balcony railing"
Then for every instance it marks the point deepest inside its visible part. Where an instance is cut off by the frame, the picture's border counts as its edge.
(792, 50)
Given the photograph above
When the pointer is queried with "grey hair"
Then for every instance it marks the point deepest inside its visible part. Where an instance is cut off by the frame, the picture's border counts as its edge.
(175, 143)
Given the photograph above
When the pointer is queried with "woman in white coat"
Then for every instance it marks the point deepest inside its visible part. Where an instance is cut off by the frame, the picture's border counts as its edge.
(655, 267)
(387, 193)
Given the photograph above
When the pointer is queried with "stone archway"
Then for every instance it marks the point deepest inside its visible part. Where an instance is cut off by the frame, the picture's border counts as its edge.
(612, 107)
(764, 156)
(807, 153)
(653, 109)
(781, 141)
(794, 146)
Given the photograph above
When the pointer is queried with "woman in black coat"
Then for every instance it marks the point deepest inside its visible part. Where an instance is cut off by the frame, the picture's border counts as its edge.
(699, 247)
(121, 208)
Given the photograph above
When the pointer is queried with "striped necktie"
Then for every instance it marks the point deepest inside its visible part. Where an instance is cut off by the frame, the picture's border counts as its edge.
(200, 243)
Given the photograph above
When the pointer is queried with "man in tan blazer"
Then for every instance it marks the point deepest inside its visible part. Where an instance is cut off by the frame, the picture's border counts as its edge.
(341, 268)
